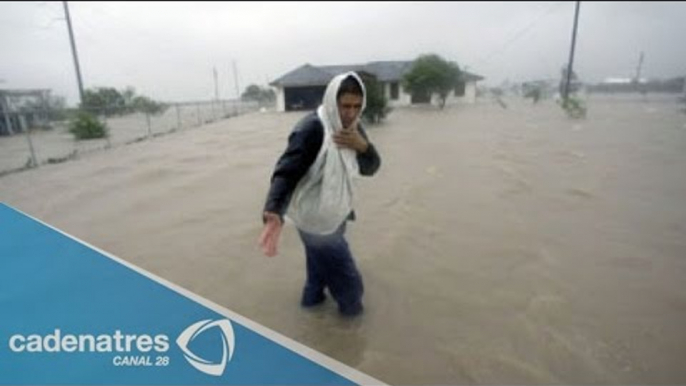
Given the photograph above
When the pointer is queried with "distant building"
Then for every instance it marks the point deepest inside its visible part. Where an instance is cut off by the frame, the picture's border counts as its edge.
(632, 85)
(609, 81)
(23, 109)
(303, 88)
(546, 87)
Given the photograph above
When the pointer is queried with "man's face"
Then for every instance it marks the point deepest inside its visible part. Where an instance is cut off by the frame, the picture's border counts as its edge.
(349, 106)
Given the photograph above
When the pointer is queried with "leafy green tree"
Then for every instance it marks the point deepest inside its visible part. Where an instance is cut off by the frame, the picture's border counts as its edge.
(128, 95)
(109, 101)
(252, 92)
(377, 104)
(431, 74)
(146, 105)
(263, 96)
(103, 100)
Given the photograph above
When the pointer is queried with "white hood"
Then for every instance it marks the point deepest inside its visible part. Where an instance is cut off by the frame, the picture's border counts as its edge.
(323, 198)
(328, 110)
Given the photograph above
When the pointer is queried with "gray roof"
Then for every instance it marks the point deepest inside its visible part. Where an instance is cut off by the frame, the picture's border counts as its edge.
(385, 71)
(389, 71)
(305, 75)
(339, 69)
(469, 77)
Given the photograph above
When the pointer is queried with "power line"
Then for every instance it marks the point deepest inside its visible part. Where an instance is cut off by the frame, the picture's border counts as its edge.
(125, 24)
(35, 24)
(519, 34)
(50, 23)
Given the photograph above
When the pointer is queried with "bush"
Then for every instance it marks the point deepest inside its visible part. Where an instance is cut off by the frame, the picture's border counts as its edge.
(533, 93)
(87, 126)
(574, 107)
(377, 104)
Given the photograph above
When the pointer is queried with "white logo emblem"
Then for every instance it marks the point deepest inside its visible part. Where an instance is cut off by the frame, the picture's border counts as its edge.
(201, 364)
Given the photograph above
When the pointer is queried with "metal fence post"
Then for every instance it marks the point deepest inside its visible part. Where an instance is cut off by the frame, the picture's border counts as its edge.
(178, 117)
(147, 119)
(23, 126)
(198, 110)
(107, 135)
(6, 113)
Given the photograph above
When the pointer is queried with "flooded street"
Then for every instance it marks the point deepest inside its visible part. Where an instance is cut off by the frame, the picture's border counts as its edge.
(496, 245)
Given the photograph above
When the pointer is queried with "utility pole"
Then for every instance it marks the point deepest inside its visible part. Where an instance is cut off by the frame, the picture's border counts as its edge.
(235, 81)
(216, 85)
(73, 51)
(639, 67)
(571, 53)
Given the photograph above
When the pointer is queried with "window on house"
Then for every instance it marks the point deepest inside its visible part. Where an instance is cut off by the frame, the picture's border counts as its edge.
(395, 91)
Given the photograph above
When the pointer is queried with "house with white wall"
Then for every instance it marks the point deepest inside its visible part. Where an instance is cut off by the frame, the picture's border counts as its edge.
(303, 88)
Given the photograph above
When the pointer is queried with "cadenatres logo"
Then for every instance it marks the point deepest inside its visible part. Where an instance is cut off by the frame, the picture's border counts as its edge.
(132, 350)
(201, 364)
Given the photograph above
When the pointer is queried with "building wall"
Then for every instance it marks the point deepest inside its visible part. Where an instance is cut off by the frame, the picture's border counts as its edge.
(468, 98)
(470, 92)
(280, 99)
(404, 99)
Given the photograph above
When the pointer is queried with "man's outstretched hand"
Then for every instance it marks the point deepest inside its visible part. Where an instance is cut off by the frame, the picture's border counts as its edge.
(269, 240)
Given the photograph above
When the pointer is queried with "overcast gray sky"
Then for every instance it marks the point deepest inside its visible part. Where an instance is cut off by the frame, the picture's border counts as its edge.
(168, 50)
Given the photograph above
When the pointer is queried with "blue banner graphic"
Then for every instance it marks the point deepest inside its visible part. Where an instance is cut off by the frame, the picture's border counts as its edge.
(71, 314)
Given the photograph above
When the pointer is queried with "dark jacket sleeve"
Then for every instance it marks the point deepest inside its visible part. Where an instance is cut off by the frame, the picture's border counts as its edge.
(369, 161)
(304, 143)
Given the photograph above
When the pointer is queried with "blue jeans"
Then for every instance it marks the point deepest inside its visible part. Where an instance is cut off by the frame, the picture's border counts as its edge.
(330, 264)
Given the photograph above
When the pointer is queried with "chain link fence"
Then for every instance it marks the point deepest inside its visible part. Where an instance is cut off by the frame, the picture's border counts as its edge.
(36, 138)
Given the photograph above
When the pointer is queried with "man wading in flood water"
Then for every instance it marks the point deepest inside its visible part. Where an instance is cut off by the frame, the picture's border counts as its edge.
(312, 184)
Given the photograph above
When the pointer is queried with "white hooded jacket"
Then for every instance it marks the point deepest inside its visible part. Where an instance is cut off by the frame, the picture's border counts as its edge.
(323, 198)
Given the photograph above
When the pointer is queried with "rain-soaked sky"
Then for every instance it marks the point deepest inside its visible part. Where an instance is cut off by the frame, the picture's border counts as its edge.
(168, 50)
